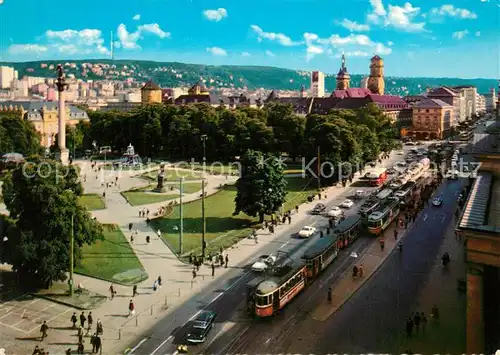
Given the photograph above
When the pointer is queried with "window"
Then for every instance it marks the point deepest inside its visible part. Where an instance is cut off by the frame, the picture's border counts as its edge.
(290, 284)
(328, 253)
(262, 300)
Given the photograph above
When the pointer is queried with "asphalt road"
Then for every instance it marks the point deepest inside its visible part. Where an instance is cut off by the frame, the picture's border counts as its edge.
(227, 297)
(373, 320)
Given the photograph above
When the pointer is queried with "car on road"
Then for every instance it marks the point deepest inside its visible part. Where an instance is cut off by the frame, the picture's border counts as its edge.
(437, 201)
(347, 204)
(307, 232)
(335, 212)
(391, 171)
(264, 262)
(359, 194)
(400, 152)
(319, 208)
(201, 326)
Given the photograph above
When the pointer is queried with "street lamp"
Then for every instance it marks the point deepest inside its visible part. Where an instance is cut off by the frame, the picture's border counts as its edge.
(204, 138)
(71, 250)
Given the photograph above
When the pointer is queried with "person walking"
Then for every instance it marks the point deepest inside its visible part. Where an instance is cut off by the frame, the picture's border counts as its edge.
(409, 327)
(130, 225)
(80, 334)
(416, 321)
(99, 328)
(361, 271)
(90, 321)
(213, 269)
(93, 342)
(395, 234)
(98, 345)
(83, 319)
(43, 330)
(227, 261)
(134, 290)
(36, 351)
(159, 282)
(132, 238)
(112, 291)
(74, 320)
(131, 308)
(296, 209)
(194, 273)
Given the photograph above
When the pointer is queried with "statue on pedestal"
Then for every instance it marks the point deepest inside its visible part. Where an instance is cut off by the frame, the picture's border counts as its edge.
(160, 179)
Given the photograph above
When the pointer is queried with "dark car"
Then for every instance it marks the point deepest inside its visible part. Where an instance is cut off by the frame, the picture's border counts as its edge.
(200, 327)
(319, 208)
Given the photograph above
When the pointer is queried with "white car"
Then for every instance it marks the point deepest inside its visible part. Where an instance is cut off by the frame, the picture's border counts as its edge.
(347, 204)
(400, 152)
(263, 263)
(335, 212)
(307, 232)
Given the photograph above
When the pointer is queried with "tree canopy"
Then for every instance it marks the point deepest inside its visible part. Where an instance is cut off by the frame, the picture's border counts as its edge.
(261, 188)
(18, 135)
(42, 200)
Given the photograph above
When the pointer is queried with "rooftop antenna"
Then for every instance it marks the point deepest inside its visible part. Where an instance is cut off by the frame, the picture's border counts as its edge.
(112, 47)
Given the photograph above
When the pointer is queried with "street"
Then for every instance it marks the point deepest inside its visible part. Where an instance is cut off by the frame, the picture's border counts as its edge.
(227, 297)
(373, 320)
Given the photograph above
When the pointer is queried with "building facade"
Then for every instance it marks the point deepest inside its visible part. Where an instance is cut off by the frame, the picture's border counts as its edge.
(317, 84)
(451, 97)
(376, 82)
(490, 101)
(7, 75)
(151, 93)
(44, 116)
(431, 119)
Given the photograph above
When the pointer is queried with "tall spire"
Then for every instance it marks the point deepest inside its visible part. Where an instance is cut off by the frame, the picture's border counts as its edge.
(343, 61)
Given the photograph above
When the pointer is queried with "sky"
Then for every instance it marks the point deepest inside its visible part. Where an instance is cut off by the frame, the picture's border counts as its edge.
(421, 38)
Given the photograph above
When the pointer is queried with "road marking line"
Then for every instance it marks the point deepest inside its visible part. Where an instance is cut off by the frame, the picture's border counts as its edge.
(51, 319)
(268, 340)
(425, 217)
(284, 245)
(201, 310)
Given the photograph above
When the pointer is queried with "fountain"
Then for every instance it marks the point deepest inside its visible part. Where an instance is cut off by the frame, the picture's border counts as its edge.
(129, 158)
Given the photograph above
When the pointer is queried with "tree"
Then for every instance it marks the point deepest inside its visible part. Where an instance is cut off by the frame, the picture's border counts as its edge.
(18, 135)
(261, 186)
(42, 199)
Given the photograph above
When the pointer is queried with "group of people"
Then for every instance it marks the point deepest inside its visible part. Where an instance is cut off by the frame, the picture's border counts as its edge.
(419, 321)
(83, 331)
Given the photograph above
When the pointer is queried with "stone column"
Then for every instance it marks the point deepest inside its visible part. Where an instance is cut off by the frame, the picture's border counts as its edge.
(63, 155)
(475, 318)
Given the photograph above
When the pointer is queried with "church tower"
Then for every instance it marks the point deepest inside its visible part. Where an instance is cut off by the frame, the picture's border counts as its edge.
(376, 80)
(343, 77)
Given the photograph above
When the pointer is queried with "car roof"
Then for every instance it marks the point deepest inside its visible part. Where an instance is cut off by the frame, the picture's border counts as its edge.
(205, 316)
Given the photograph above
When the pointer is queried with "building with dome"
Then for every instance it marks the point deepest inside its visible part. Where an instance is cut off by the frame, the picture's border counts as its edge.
(343, 77)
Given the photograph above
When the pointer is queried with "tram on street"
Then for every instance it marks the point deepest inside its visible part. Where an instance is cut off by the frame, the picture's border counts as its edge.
(370, 205)
(405, 193)
(348, 230)
(320, 255)
(379, 220)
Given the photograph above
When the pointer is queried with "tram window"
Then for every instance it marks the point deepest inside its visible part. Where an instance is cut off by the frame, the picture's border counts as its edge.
(262, 300)
(290, 284)
(377, 223)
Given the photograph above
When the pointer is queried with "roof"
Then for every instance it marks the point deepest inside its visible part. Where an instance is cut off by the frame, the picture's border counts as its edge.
(280, 276)
(347, 224)
(272, 96)
(209, 99)
(474, 213)
(33, 109)
(441, 91)
(150, 85)
(431, 103)
(351, 92)
(375, 57)
(320, 246)
(484, 143)
(322, 105)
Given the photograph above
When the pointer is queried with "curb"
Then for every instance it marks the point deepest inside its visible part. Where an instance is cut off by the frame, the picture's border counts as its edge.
(114, 281)
(67, 304)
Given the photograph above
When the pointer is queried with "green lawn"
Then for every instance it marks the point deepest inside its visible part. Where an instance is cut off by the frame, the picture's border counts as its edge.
(92, 202)
(144, 196)
(223, 229)
(112, 259)
(172, 174)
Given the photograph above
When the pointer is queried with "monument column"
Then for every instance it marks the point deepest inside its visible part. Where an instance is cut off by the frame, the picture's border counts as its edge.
(475, 318)
(63, 155)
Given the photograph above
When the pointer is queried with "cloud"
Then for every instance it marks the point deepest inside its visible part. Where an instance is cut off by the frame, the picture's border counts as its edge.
(460, 34)
(245, 54)
(137, 17)
(390, 43)
(215, 15)
(270, 54)
(128, 40)
(452, 11)
(399, 17)
(312, 51)
(353, 45)
(17, 49)
(478, 34)
(86, 41)
(352, 54)
(1, 2)
(281, 38)
(217, 51)
(353, 26)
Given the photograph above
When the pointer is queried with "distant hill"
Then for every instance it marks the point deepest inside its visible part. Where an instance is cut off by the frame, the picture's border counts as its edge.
(172, 74)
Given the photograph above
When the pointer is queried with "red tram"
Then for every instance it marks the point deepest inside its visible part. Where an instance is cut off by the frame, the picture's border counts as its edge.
(269, 295)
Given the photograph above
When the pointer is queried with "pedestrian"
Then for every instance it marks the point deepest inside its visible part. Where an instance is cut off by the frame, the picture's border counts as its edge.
(221, 260)
(131, 308)
(213, 269)
(132, 238)
(68, 351)
(354, 272)
(155, 285)
(36, 351)
(148, 239)
(74, 320)
(134, 290)
(98, 347)
(409, 327)
(423, 319)
(159, 233)
(140, 215)
(296, 209)
(112, 291)
(82, 320)
(416, 321)
(159, 282)
(190, 258)
(80, 334)
(90, 321)
(321, 234)
(361, 270)
(93, 342)
(99, 328)
(382, 244)
(81, 348)
(130, 225)
(194, 273)
(227, 260)
(395, 234)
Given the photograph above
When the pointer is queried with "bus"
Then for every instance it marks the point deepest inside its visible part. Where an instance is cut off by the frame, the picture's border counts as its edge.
(379, 220)
(384, 194)
(348, 230)
(377, 176)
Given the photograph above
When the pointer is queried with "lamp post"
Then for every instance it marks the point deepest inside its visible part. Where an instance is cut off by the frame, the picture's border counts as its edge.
(203, 140)
(181, 188)
(71, 250)
(204, 224)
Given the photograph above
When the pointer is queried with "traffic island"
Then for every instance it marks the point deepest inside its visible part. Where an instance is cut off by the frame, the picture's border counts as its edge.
(81, 299)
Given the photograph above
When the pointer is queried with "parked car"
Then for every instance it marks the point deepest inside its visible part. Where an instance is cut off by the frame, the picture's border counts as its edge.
(438, 201)
(201, 326)
(359, 194)
(347, 204)
(319, 208)
(400, 152)
(307, 232)
(335, 212)
(263, 263)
